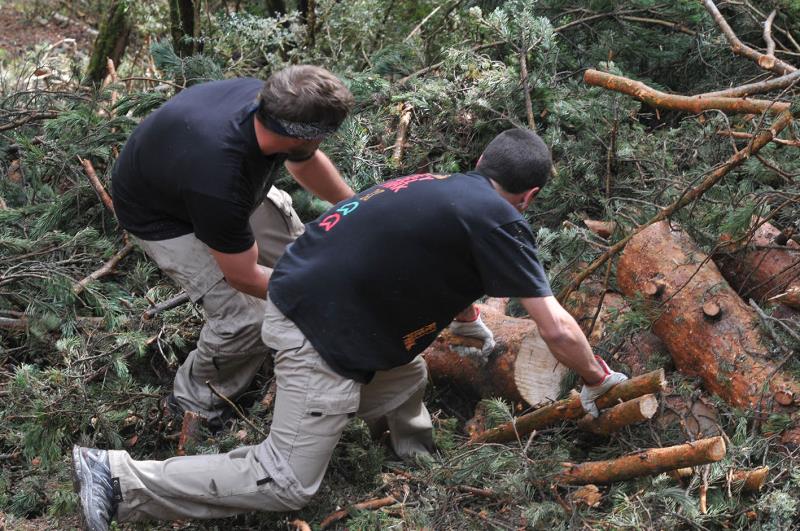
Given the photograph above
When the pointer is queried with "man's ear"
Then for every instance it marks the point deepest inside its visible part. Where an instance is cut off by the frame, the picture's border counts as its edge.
(529, 196)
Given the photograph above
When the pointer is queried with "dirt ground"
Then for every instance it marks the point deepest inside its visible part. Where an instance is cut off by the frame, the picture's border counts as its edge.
(22, 31)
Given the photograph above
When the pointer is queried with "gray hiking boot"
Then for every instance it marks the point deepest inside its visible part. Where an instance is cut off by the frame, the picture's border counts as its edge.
(91, 477)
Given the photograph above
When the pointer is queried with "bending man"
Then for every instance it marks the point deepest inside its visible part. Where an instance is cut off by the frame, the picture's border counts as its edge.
(194, 185)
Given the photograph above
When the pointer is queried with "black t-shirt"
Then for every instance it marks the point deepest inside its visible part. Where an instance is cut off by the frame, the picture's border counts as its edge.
(194, 165)
(374, 280)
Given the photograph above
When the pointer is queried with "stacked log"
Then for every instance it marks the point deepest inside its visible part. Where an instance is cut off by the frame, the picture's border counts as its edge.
(709, 331)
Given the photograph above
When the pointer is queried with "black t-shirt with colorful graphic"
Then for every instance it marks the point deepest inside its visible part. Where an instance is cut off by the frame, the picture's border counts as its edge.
(374, 280)
(194, 165)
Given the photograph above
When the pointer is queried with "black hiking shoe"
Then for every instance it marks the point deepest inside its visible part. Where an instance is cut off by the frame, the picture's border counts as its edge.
(91, 478)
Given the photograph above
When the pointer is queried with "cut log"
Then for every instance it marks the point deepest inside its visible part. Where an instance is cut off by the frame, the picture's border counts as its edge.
(728, 353)
(645, 463)
(571, 409)
(604, 229)
(791, 297)
(522, 369)
(697, 417)
(764, 268)
(637, 410)
(750, 480)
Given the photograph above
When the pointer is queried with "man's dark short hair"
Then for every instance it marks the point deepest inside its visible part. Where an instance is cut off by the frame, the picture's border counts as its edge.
(304, 94)
(517, 159)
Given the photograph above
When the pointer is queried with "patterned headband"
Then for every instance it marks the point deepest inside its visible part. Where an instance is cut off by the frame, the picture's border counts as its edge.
(304, 131)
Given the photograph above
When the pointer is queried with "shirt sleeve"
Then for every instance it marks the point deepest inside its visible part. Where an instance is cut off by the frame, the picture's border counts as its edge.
(508, 264)
(221, 224)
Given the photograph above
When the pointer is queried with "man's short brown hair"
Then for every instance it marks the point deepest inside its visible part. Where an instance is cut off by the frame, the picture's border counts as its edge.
(305, 94)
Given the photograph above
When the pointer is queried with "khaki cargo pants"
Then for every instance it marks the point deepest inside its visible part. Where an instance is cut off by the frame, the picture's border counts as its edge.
(312, 407)
(229, 351)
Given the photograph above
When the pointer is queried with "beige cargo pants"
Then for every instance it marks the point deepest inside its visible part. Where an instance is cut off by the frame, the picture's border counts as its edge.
(312, 407)
(229, 350)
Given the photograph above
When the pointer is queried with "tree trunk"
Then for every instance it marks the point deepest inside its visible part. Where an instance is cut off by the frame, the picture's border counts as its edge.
(111, 41)
(636, 350)
(182, 26)
(645, 463)
(726, 350)
(571, 409)
(521, 369)
(765, 267)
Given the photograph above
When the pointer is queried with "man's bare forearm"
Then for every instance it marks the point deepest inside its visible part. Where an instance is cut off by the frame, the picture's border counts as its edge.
(564, 337)
(319, 176)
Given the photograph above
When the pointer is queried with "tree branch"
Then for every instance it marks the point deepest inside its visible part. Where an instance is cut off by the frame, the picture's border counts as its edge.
(107, 268)
(766, 62)
(98, 186)
(768, 35)
(759, 87)
(677, 102)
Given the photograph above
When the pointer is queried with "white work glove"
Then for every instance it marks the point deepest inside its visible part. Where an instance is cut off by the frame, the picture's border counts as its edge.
(590, 393)
(478, 330)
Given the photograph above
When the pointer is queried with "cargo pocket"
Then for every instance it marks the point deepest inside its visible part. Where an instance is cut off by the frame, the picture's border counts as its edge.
(278, 332)
(327, 416)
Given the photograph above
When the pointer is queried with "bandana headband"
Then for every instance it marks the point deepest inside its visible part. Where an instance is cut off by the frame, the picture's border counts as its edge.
(304, 131)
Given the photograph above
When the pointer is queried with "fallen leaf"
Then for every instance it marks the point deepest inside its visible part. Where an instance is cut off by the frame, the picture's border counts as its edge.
(588, 495)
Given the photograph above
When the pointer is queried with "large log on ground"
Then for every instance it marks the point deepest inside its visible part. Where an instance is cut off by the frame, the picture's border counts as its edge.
(644, 463)
(709, 331)
(571, 409)
(521, 369)
(597, 309)
(767, 266)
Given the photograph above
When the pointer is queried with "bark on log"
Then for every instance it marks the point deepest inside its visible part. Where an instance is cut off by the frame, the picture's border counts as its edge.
(764, 268)
(677, 102)
(570, 409)
(727, 353)
(521, 369)
(645, 463)
(791, 297)
(637, 410)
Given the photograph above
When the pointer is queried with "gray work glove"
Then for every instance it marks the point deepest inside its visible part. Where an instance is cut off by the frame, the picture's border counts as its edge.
(590, 393)
(478, 330)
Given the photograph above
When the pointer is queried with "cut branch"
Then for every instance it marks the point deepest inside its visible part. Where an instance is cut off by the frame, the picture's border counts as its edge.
(739, 48)
(177, 300)
(677, 102)
(737, 159)
(645, 463)
(760, 87)
(98, 186)
(526, 89)
(402, 134)
(768, 36)
(571, 409)
(637, 410)
(33, 116)
(748, 136)
(365, 505)
(107, 268)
